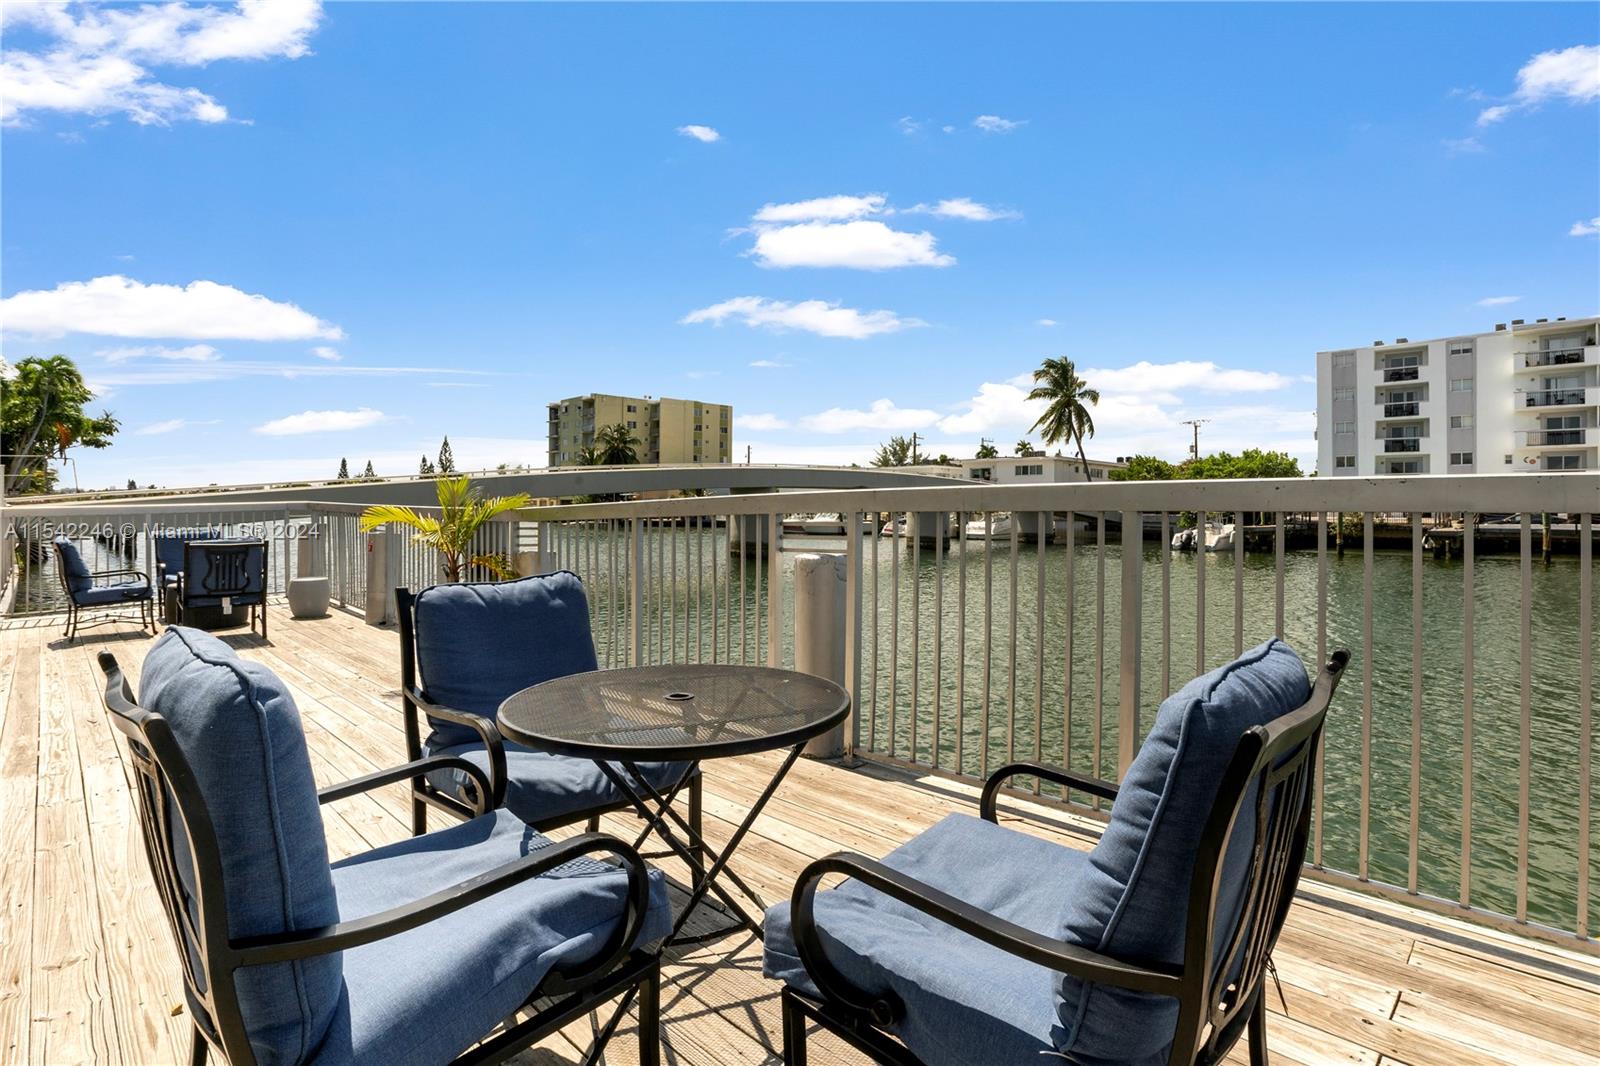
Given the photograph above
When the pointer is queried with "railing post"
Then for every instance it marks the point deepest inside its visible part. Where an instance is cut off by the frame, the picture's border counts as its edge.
(852, 632)
(635, 591)
(1132, 638)
(819, 632)
(774, 591)
(383, 574)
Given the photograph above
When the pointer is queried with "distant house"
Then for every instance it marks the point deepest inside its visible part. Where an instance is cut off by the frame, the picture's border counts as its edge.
(1027, 469)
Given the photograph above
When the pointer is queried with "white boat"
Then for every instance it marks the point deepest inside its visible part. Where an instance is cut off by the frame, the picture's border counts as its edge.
(1219, 538)
(998, 527)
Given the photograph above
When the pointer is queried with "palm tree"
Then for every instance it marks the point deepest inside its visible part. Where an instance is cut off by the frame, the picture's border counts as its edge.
(463, 511)
(1066, 416)
(616, 445)
(1025, 446)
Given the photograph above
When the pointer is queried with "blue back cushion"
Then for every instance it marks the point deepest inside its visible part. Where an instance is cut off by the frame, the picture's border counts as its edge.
(240, 732)
(76, 570)
(213, 569)
(1132, 899)
(479, 643)
(169, 549)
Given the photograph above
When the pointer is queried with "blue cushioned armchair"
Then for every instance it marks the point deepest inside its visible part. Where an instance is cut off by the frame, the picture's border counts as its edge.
(464, 648)
(226, 574)
(411, 953)
(978, 944)
(100, 590)
(168, 548)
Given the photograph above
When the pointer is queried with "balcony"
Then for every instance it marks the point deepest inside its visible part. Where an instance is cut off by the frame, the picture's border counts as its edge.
(1558, 438)
(1578, 355)
(1371, 971)
(1405, 409)
(1403, 373)
(1580, 396)
(1402, 444)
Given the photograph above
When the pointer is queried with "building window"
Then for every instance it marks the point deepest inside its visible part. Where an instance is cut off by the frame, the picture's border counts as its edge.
(1342, 360)
(633, 408)
(1344, 462)
(1460, 458)
(1460, 347)
(1572, 461)
(1405, 466)
(632, 424)
(983, 473)
(1508, 458)
(1461, 421)
(1344, 427)
(1344, 392)
(1030, 469)
(1460, 384)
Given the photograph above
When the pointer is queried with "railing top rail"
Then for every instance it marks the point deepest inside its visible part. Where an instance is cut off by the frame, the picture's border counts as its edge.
(57, 511)
(1494, 493)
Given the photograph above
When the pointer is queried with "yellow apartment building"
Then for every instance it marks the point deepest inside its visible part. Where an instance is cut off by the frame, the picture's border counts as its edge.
(669, 430)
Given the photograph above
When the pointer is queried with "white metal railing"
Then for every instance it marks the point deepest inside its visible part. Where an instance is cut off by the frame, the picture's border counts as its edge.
(1458, 767)
(1471, 656)
(1575, 396)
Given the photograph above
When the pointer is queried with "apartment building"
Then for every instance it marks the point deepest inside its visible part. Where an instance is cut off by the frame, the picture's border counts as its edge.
(1523, 396)
(669, 431)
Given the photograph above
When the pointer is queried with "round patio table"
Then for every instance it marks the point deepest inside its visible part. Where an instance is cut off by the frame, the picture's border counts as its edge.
(678, 713)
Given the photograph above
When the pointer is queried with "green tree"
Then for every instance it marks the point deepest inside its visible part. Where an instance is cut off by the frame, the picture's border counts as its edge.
(588, 455)
(132, 484)
(344, 470)
(616, 445)
(1145, 468)
(368, 473)
(463, 511)
(42, 416)
(426, 468)
(894, 452)
(1024, 446)
(447, 458)
(1067, 401)
(987, 451)
(1252, 462)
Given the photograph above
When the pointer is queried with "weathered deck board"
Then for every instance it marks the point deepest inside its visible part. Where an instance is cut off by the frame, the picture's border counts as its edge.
(88, 972)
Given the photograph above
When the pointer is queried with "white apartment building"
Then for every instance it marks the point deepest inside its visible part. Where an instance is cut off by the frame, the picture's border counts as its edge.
(1036, 469)
(1524, 396)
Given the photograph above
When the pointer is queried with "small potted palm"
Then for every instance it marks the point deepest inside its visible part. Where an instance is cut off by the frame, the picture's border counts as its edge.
(463, 511)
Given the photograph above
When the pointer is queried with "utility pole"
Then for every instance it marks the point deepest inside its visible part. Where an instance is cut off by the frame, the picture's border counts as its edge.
(747, 455)
(913, 448)
(1196, 423)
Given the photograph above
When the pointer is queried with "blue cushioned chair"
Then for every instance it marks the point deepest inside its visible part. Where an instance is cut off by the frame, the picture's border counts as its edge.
(464, 648)
(168, 549)
(224, 573)
(86, 589)
(409, 953)
(977, 944)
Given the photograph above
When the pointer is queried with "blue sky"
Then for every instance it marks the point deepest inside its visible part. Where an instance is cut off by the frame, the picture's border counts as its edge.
(275, 237)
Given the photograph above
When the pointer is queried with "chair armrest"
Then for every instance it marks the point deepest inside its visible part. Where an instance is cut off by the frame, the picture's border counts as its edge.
(98, 574)
(357, 785)
(1067, 778)
(1160, 978)
(487, 732)
(307, 943)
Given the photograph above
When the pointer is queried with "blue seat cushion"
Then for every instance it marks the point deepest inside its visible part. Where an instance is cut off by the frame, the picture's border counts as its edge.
(169, 548)
(77, 571)
(1132, 897)
(426, 995)
(545, 789)
(240, 732)
(479, 643)
(107, 594)
(965, 1001)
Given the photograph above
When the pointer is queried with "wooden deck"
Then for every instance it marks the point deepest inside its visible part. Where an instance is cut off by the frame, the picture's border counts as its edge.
(88, 972)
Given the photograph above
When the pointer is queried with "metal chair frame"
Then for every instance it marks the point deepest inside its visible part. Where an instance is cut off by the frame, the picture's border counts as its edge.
(168, 790)
(1213, 1010)
(224, 547)
(112, 611)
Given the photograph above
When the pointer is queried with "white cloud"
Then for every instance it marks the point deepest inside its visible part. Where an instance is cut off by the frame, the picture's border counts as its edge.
(769, 364)
(116, 306)
(822, 209)
(996, 124)
(322, 351)
(1046, 322)
(963, 208)
(1582, 228)
(1571, 74)
(814, 316)
(320, 422)
(759, 423)
(1497, 301)
(859, 245)
(1463, 145)
(97, 60)
(1206, 376)
(192, 353)
(1002, 404)
(1490, 115)
(883, 415)
(703, 134)
(171, 425)
(910, 126)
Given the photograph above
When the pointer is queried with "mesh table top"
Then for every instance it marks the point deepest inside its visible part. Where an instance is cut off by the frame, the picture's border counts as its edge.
(673, 713)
